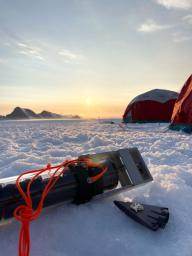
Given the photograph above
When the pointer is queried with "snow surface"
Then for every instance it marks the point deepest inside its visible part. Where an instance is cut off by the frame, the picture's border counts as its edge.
(98, 227)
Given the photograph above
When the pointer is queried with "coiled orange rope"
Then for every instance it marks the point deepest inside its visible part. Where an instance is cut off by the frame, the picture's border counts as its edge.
(26, 213)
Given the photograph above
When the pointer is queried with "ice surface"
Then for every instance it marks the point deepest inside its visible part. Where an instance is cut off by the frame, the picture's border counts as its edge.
(98, 227)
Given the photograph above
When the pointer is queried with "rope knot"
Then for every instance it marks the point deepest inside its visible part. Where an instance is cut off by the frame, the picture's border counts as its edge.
(24, 213)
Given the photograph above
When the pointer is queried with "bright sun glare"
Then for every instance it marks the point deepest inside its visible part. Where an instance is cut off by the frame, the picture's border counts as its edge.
(88, 101)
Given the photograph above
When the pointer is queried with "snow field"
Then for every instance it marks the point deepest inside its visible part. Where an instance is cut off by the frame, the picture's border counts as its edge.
(98, 227)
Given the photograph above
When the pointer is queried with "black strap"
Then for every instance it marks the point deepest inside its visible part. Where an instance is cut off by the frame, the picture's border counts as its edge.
(85, 189)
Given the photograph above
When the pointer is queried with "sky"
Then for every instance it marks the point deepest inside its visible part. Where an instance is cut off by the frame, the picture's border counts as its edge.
(91, 57)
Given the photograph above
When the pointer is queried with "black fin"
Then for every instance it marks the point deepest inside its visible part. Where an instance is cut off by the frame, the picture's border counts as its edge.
(153, 217)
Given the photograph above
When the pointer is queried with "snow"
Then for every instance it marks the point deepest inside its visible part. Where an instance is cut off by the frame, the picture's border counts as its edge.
(98, 227)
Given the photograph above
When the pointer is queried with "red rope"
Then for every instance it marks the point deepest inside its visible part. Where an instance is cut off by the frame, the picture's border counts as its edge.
(26, 213)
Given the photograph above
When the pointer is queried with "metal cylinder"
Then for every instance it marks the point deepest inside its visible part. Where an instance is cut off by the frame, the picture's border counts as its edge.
(64, 190)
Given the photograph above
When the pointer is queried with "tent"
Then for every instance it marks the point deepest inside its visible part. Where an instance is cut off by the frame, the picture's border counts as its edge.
(153, 106)
(182, 113)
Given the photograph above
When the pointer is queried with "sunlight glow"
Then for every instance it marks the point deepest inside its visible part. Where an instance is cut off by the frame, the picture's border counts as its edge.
(88, 101)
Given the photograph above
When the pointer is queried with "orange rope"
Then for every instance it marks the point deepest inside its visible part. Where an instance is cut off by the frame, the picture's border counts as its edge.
(25, 213)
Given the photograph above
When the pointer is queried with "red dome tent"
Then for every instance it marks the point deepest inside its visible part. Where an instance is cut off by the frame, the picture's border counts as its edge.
(182, 113)
(152, 106)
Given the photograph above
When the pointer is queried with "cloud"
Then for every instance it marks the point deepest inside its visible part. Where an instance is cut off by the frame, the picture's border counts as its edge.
(70, 56)
(175, 4)
(151, 26)
(188, 18)
(181, 37)
(30, 51)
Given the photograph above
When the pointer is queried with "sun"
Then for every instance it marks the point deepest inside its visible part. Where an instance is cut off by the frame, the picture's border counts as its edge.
(88, 101)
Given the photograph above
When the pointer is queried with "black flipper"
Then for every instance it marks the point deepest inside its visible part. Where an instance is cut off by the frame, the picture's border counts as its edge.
(153, 217)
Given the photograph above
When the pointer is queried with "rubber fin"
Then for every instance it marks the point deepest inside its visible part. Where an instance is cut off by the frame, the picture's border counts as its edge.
(153, 217)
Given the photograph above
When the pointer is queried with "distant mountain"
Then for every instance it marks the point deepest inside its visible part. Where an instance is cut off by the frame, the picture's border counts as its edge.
(24, 113)
(47, 114)
(76, 117)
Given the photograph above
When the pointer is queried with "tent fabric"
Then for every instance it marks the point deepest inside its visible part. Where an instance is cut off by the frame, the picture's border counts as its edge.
(152, 106)
(157, 95)
(182, 113)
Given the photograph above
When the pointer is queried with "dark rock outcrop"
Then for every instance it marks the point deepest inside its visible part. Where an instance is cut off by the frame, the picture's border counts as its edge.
(22, 113)
(47, 114)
